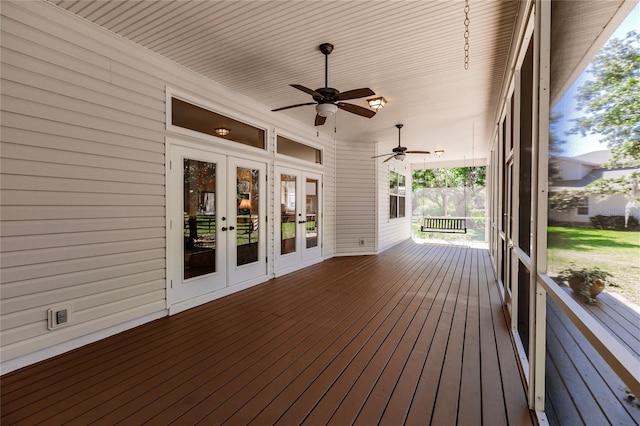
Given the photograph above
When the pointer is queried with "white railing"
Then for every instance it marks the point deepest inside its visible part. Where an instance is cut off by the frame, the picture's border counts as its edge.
(621, 361)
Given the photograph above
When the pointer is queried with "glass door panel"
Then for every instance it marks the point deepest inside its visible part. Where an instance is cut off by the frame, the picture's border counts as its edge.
(288, 208)
(199, 211)
(312, 223)
(311, 206)
(247, 233)
(247, 215)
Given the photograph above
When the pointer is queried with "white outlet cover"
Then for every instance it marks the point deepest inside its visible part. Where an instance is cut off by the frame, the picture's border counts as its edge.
(54, 313)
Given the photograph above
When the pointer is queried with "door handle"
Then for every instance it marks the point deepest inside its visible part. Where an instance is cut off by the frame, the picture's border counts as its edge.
(224, 228)
(302, 221)
(231, 228)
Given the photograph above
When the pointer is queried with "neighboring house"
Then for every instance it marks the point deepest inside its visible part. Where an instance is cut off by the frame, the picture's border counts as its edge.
(575, 173)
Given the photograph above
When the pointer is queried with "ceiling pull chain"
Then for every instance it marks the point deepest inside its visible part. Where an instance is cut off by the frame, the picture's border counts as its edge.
(466, 34)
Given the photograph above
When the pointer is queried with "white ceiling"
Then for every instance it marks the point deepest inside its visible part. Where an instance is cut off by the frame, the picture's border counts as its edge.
(410, 52)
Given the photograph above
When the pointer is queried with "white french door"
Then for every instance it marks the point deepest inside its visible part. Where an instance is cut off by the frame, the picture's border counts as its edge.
(216, 212)
(298, 218)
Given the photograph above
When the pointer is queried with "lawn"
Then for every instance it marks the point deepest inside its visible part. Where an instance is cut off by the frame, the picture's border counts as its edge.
(616, 252)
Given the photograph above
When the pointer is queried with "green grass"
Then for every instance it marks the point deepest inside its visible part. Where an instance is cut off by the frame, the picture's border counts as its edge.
(616, 252)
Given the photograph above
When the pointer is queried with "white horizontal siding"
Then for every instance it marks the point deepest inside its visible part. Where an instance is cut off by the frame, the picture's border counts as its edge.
(141, 308)
(329, 201)
(83, 176)
(83, 217)
(356, 197)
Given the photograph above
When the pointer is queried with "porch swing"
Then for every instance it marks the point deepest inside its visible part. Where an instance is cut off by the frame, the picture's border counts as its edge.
(442, 224)
(446, 224)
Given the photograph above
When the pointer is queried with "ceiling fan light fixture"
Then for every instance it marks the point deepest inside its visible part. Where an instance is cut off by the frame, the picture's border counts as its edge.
(401, 156)
(326, 109)
(221, 131)
(377, 103)
(439, 152)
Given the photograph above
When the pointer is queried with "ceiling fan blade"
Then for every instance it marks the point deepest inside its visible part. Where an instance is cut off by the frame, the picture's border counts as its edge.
(293, 106)
(356, 93)
(418, 152)
(319, 120)
(381, 155)
(393, 156)
(306, 90)
(355, 109)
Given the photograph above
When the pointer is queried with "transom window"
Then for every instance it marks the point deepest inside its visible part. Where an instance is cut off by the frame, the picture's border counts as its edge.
(298, 150)
(198, 119)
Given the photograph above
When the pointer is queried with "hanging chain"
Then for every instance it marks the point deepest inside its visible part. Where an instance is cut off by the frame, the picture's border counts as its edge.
(466, 34)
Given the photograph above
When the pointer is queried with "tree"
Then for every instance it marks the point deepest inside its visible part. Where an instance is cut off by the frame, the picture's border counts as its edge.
(611, 102)
(442, 192)
(555, 148)
(455, 177)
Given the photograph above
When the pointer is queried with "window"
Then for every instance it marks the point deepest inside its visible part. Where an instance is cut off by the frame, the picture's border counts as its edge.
(583, 206)
(397, 195)
(192, 117)
(298, 150)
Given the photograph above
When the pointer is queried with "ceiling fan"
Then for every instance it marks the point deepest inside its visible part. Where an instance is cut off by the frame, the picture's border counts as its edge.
(400, 152)
(327, 99)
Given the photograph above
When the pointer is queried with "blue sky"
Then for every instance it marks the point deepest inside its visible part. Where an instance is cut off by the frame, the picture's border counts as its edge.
(578, 144)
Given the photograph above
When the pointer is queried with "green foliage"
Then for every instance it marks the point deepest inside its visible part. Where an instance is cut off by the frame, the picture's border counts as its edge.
(565, 200)
(584, 278)
(612, 106)
(555, 147)
(586, 273)
(611, 100)
(455, 177)
(615, 186)
(614, 222)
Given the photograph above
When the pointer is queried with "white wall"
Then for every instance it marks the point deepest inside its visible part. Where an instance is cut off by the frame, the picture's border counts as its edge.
(572, 170)
(610, 205)
(83, 174)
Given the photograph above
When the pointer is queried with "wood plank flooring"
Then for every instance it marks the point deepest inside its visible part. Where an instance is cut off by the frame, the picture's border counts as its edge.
(581, 388)
(415, 335)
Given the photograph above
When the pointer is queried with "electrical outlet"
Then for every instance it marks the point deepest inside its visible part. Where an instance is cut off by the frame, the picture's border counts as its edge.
(361, 242)
(62, 317)
(59, 316)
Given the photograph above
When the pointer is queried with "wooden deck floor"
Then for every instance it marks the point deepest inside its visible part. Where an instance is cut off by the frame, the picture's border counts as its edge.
(415, 335)
(581, 388)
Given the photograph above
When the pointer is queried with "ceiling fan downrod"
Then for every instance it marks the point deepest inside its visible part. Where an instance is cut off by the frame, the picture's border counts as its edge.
(326, 49)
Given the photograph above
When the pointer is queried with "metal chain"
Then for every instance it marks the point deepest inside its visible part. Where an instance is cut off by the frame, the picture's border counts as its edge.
(466, 34)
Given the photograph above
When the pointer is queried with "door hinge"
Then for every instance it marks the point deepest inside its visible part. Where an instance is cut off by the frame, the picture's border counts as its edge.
(170, 224)
(170, 165)
(170, 283)
(266, 259)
